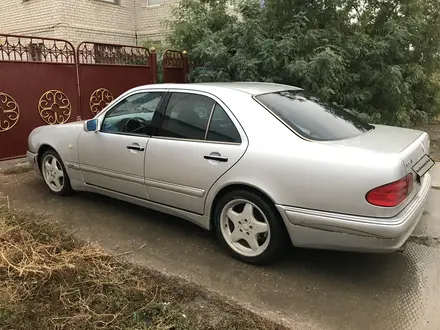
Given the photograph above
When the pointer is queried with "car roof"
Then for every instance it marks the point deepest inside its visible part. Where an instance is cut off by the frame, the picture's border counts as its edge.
(253, 88)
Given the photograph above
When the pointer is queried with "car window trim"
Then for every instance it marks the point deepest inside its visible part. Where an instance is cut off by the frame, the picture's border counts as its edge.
(209, 121)
(122, 99)
(127, 134)
(160, 114)
(193, 140)
(216, 100)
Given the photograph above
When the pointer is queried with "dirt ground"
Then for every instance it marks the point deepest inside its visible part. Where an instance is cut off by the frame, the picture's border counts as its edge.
(49, 280)
(307, 289)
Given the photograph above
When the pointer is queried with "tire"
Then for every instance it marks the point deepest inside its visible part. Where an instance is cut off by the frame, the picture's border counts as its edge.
(261, 235)
(55, 174)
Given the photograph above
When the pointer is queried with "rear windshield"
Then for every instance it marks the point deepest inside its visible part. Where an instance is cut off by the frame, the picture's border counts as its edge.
(312, 118)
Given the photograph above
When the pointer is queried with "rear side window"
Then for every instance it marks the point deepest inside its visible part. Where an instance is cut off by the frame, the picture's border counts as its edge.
(187, 116)
(221, 128)
(311, 118)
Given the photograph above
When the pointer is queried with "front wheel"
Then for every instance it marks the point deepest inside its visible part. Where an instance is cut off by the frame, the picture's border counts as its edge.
(249, 227)
(54, 174)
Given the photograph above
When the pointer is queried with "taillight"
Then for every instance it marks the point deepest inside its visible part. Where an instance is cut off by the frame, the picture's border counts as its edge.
(391, 194)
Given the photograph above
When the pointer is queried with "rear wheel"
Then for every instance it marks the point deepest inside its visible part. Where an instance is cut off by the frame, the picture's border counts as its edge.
(54, 174)
(249, 227)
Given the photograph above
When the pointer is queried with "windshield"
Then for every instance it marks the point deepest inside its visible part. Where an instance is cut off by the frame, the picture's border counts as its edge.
(312, 118)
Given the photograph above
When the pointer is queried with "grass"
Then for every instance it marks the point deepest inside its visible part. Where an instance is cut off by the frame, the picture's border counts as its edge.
(49, 280)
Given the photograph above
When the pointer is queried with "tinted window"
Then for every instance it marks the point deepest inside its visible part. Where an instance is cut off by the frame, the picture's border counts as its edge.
(187, 116)
(133, 114)
(311, 118)
(222, 128)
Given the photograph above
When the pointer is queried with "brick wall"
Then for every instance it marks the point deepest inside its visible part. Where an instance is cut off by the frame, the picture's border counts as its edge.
(32, 17)
(128, 22)
(151, 19)
(95, 20)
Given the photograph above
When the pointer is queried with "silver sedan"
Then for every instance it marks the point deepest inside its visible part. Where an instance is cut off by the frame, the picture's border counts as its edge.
(261, 164)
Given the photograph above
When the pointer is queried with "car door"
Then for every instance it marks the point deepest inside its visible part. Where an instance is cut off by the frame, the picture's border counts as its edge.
(114, 157)
(197, 142)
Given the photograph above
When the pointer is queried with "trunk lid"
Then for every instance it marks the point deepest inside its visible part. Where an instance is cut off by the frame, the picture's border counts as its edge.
(410, 145)
(384, 139)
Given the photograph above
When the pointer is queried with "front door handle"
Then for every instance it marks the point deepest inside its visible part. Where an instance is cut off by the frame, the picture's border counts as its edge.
(137, 148)
(217, 158)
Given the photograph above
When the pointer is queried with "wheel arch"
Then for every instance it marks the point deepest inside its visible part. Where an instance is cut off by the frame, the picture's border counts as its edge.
(41, 150)
(240, 186)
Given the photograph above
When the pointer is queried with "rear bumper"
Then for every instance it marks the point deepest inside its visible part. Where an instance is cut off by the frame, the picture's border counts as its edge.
(325, 230)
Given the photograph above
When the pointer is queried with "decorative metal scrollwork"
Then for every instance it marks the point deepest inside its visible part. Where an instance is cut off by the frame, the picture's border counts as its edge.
(9, 112)
(173, 59)
(36, 49)
(54, 107)
(99, 100)
(98, 53)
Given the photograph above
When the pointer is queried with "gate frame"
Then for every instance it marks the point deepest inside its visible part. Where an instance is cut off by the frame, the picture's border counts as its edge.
(39, 50)
(175, 65)
(87, 57)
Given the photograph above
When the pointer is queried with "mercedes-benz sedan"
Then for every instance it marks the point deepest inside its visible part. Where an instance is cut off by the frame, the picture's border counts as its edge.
(261, 164)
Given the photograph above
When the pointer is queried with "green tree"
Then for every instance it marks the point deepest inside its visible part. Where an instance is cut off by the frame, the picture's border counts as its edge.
(376, 57)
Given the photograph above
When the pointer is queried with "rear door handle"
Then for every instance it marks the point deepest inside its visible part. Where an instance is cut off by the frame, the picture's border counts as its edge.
(217, 158)
(137, 148)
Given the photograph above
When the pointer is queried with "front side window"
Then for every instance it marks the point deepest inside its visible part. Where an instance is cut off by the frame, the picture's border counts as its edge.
(312, 118)
(187, 116)
(133, 115)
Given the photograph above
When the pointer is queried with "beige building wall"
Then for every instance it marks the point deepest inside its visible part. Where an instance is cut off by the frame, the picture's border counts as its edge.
(32, 17)
(127, 22)
(99, 21)
(151, 19)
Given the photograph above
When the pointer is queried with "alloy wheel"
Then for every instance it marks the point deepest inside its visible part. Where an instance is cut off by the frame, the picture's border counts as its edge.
(53, 173)
(245, 228)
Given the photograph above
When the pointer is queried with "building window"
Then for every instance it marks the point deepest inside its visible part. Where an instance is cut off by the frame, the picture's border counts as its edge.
(116, 2)
(154, 2)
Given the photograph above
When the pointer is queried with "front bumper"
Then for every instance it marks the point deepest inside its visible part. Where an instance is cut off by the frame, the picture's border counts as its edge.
(33, 159)
(325, 230)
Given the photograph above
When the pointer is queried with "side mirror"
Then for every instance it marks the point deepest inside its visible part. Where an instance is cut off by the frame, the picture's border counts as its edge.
(91, 125)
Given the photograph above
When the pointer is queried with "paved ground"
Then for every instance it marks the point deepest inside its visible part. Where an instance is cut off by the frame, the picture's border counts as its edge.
(436, 176)
(311, 289)
(433, 129)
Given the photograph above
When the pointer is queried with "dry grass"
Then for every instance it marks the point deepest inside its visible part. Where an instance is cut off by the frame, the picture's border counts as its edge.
(48, 280)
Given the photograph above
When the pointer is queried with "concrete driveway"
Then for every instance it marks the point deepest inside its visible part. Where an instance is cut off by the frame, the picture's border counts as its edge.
(309, 289)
